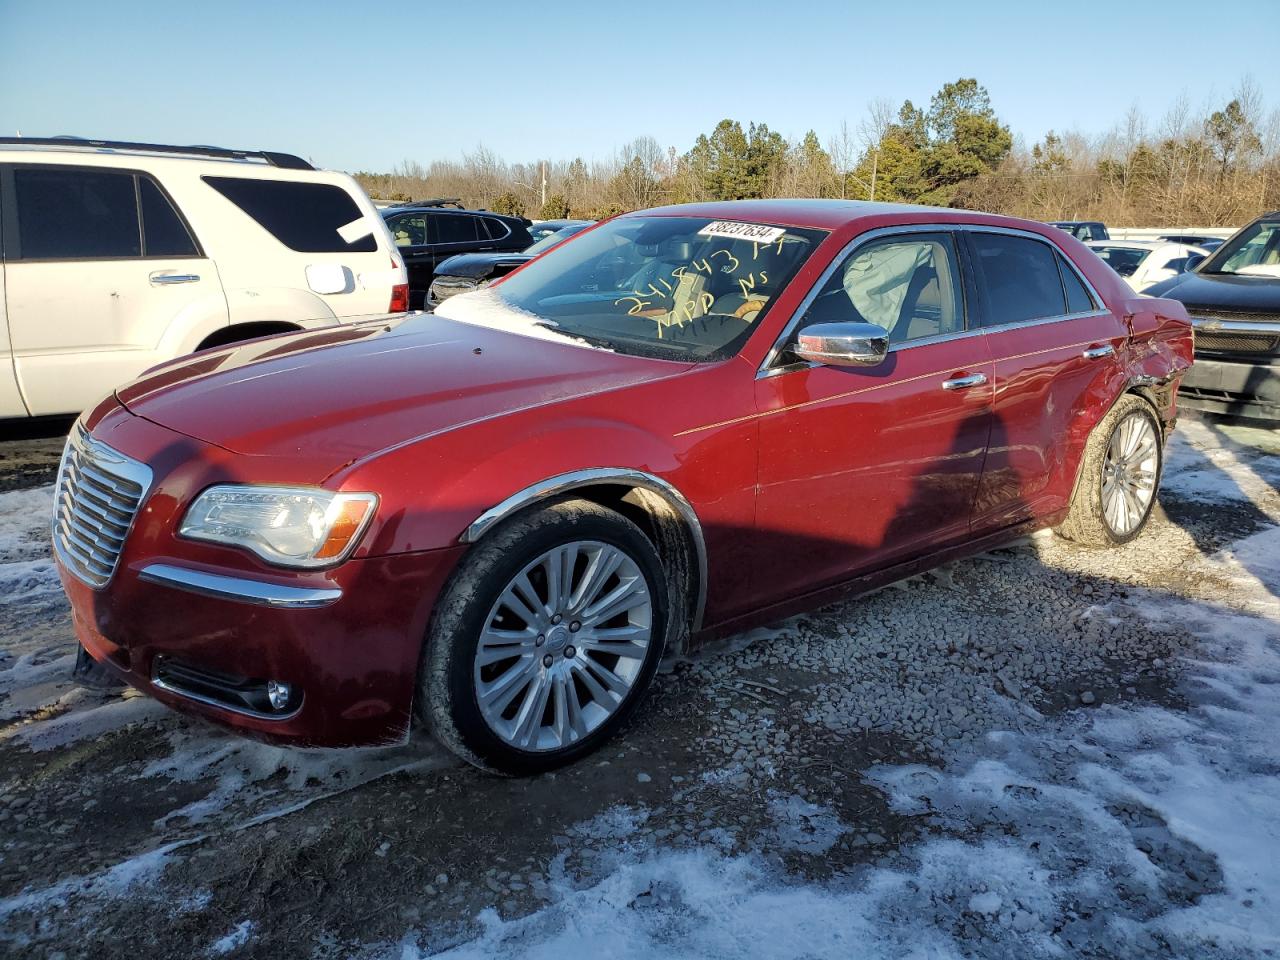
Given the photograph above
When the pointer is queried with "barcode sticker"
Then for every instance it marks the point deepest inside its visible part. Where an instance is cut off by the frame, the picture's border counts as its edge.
(755, 232)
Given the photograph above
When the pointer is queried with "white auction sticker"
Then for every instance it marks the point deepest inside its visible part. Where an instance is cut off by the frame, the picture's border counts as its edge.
(755, 232)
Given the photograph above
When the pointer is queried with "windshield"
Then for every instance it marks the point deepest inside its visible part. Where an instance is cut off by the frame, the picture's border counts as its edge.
(681, 288)
(559, 236)
(1255, 251)
(1123, 260)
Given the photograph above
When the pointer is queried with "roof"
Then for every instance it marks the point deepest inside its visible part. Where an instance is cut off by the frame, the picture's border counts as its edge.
(833, 214)
(399, 208)
(81, 144)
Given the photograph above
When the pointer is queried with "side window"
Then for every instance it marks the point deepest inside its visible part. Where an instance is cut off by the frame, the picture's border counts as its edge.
(497, 229)
(1020, 277)
(1078, 298)
(307, 217)
(76, 213)
(408, 229)
(453, 228)
(908, 285)
(163, 232)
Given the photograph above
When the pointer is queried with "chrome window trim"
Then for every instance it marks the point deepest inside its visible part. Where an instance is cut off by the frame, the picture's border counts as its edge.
(767, 368)
(240, 589)
(620, 476)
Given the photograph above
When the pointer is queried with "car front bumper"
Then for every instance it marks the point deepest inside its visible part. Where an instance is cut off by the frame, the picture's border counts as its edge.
(349, 651)
(1243, 388)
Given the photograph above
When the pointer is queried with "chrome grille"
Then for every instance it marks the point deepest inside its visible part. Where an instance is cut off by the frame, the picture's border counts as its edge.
(98, 493)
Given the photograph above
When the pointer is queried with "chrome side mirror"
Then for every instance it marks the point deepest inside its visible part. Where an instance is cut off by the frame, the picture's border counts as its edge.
(843, 344)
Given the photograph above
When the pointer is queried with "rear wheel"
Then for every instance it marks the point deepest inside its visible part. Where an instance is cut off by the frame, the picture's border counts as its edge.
(1118, 480)
(546, 639)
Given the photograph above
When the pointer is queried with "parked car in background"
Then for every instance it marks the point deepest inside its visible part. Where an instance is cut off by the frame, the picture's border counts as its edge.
(428, 232)
(472, 271)
(118, 256)
(679, 423)
(1234, 302)
(1144, 262)
(1194, 239)
(1083, 229)
(542, 229)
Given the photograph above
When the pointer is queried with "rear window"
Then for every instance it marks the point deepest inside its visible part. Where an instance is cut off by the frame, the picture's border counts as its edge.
(307, 217)
(76, 214)
(1020, 277)
(1078, 298)
(164, 233)
(497, 229)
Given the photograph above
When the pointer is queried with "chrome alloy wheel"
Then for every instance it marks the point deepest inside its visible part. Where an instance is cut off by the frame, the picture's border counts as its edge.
(563, 645)
(1129, 473)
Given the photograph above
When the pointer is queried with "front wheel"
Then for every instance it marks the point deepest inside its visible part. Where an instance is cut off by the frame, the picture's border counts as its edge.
(1118, 480)
(545, 639)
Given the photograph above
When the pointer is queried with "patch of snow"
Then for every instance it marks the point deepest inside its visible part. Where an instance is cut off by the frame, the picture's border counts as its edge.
(78, 725)
(238, 937)
(1198, 466)
(114, 882)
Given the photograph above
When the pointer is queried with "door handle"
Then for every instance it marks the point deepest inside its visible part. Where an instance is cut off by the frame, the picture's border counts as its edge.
(962, 383)
(164, 279)
(1097, 353)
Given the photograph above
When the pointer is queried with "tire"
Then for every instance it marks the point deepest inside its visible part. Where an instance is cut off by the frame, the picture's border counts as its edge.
(1096, 517)
(489, 642)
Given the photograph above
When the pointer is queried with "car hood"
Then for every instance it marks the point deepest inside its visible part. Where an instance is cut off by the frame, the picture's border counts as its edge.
(341, 394)
(479, 265)
(1221, 291)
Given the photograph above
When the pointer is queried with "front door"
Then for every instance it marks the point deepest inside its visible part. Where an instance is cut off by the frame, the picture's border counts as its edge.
(862, 467)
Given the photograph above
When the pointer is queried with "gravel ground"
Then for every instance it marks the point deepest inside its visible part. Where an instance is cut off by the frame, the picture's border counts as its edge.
(995, 758)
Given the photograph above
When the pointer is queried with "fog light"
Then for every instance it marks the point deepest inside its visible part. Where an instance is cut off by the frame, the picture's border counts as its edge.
(278, 694)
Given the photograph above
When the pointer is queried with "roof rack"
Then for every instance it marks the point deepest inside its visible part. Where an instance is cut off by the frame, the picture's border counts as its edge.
(437, 202)
(284, 160)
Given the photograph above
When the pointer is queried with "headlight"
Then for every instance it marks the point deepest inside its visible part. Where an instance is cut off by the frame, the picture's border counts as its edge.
(290, 526)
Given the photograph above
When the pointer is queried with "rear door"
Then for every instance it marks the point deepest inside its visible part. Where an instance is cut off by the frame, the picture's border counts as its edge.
(98, 264)
(454, 233)
(1054, 347)
(862, 467)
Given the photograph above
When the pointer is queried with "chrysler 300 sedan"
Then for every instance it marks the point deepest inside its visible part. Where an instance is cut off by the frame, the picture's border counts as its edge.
(495, 520)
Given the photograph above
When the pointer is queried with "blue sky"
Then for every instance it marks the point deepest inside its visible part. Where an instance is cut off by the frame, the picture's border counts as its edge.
(364, 86)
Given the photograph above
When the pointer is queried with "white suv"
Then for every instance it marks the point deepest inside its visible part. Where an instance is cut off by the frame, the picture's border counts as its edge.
(117, 256)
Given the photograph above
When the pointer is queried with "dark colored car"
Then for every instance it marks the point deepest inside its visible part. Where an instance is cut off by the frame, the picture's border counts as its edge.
(680, 423)
(430, 232)
(471, 271)
(1195, 239)
(1233, 298)
(545, 228)
(1083, 229)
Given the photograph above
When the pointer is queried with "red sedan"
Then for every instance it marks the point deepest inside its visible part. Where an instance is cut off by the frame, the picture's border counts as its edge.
(496, 519)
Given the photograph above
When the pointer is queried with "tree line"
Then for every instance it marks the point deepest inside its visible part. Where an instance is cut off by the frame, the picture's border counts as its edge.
(1216, 167)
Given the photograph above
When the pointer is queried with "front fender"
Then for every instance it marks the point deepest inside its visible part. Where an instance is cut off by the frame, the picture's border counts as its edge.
(435, 492)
